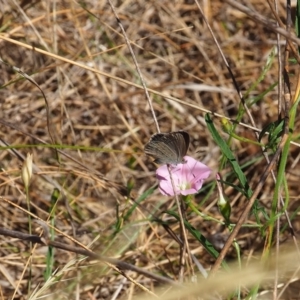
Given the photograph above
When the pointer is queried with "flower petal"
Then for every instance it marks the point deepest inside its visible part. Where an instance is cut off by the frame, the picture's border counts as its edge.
(188, 177)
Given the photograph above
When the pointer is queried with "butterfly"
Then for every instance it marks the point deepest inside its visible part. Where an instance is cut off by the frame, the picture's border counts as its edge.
(168, 148)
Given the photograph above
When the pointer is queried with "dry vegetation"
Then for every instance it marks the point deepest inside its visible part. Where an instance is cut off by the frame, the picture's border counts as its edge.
(99, 119)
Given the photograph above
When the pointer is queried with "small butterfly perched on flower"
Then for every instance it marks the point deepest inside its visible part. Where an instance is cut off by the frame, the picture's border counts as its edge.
(168, 148)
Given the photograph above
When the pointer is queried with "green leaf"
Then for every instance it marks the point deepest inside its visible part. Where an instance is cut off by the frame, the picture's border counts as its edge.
(229, 155)
(197, 235)
(275, 130)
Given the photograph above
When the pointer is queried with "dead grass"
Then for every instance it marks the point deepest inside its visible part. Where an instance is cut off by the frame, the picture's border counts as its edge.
(96, 101)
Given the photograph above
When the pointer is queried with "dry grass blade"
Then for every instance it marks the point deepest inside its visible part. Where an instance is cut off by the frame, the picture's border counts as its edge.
(98, 195)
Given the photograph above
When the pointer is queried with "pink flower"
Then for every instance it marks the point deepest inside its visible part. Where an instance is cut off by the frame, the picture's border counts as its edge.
(188, 177)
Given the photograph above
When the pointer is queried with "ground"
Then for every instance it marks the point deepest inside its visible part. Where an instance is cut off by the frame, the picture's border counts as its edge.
(71, 96)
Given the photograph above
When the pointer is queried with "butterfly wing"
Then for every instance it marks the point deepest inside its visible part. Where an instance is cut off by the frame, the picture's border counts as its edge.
(182, 143)
(159, 148)
(168, 148)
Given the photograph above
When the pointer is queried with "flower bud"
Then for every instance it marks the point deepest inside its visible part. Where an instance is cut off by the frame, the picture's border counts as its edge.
(223, 203)
(27, 170)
